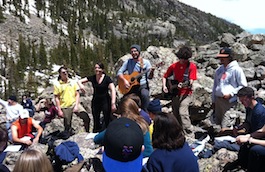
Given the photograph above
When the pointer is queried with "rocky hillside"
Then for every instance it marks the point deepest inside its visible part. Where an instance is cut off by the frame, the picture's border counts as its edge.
(34, 35)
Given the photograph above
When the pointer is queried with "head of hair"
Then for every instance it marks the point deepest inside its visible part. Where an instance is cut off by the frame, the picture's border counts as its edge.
(246, 91)
(129, 109)
(168, 133)
(184, 53)
(60, 69)
(101, 65)
(32, 160)
(135, 98)
(49, 101)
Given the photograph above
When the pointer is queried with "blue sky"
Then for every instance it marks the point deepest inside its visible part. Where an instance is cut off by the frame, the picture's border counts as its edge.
(248, 14)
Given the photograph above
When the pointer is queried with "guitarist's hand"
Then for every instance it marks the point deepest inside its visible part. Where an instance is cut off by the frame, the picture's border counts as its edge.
(126, 84)
(165, 89)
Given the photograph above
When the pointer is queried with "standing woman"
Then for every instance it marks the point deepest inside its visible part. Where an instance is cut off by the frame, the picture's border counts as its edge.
(102, 101)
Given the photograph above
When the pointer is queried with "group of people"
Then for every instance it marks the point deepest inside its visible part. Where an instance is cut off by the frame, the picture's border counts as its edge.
(164, 132)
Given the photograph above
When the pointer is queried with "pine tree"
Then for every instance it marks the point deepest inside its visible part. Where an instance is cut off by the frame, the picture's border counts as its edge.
(42, 55)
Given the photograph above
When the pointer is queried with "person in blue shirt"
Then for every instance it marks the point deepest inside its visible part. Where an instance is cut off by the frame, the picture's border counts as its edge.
(27, 104)
(128, 108)
(171, 151)
(255, 112)
(135, 66)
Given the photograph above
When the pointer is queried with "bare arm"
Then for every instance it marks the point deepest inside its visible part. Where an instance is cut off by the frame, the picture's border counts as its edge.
(77, 101)
(38, 106)
(81, 82)
(113, 96)
(164, 87)
(15, 136)
(58, 105)
(39, 130)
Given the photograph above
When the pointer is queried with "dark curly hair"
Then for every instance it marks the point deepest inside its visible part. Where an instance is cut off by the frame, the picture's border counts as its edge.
(184, 53)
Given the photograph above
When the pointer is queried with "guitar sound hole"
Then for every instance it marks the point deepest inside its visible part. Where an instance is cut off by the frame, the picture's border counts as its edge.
(132, 79)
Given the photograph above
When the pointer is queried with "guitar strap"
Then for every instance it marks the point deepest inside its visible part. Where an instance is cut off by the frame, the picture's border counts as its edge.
(186, 73)
(141, 65)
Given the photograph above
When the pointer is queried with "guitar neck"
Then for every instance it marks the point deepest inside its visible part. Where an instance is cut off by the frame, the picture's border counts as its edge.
(141, 74)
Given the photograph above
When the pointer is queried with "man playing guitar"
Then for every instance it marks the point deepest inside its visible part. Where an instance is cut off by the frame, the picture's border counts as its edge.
(184, 72)
(139, 65)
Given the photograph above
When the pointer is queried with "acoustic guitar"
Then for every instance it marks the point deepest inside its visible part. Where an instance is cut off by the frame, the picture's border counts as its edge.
(133, 79)
(173, 88)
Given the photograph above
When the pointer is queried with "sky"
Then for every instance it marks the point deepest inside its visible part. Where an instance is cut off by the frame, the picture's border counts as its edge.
(248, 14)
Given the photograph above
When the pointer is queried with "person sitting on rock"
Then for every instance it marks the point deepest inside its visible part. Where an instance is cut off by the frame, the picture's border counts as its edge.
(27, 104)
(22, 127)
(153, 108)
(255, 112)
(252, 152)
(49, 109)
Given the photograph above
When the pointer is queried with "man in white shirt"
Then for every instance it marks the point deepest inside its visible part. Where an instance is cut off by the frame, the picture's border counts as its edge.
(12, 111)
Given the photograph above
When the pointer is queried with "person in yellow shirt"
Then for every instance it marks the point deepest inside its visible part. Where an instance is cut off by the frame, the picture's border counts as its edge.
(67, 100)
(153, 108)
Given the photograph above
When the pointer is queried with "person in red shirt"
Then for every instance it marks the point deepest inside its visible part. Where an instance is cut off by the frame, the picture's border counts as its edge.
(23, 127)
(49, 109)
(184, 73)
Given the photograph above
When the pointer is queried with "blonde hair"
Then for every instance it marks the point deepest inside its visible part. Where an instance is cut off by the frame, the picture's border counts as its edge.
(129, 109)
(33, 160)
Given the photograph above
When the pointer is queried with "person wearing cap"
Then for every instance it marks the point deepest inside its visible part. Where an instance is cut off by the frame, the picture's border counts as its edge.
(153, 109)
(13, 108)
(123, 146)
(67, 99)
(137, 64)
(23, 127)
(255, 112)
(184, 72)
(171, 151)
(228, 79)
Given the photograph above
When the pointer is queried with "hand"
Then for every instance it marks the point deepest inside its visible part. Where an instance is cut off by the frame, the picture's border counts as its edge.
(75, 109)
(113, 107)
(27, 142)
(126, 84)
(35, 140)
(82, 89)
(227, 96)
(242, 138)
(60, 113)
(165, 89)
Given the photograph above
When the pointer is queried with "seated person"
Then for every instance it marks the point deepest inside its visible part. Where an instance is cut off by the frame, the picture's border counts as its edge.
(49, 109)
(252, 151)
(153, 109)
(123, 146)
(129, 109)
(143, 113)
(23, 127)
(255, 112)
(171, 151)
(27, 104)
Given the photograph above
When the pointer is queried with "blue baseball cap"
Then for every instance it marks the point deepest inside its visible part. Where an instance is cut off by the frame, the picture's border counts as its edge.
(123, 143)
